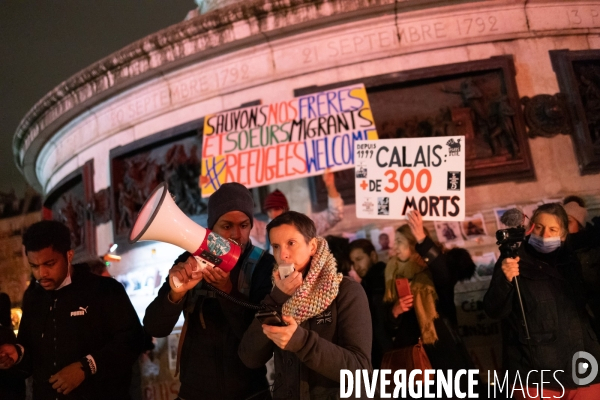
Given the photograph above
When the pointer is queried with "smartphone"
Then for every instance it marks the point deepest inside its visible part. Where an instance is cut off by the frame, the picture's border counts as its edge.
(403, 287)
(285, 270)
(270, 318)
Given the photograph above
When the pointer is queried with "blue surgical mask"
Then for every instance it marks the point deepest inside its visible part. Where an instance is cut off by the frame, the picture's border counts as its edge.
(544, 245)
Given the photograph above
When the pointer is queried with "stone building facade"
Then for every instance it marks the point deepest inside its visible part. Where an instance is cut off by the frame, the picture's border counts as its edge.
(524, 72)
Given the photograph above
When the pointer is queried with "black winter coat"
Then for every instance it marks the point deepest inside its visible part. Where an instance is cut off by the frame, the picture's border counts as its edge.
(210, 366)
(309, 367)
(91, 316)
(374, 285)
(586, 244)
(554, 298)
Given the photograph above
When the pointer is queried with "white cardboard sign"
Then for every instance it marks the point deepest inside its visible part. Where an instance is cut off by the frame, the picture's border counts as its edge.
(394, 176)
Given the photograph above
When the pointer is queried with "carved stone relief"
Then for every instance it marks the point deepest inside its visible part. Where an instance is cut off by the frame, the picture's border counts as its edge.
(546, 115)
(135, 176)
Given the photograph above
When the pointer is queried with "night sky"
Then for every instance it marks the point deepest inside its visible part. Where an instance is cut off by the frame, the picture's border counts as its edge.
(44, 42)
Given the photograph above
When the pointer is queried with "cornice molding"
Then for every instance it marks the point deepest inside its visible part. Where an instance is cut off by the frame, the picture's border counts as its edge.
(225, 30)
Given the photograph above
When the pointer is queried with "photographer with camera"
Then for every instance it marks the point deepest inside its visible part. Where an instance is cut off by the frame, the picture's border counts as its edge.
(550, 325)
(320, 319)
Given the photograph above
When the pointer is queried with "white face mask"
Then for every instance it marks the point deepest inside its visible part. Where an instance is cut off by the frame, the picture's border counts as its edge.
(544, 245)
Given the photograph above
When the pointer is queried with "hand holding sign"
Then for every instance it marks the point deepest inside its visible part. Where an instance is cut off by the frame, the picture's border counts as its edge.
(415, 222)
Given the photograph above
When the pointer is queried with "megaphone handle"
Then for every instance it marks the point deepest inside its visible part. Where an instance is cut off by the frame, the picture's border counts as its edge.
(176, 282)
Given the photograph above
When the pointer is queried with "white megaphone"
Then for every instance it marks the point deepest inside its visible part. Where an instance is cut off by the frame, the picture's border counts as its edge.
(160, 219)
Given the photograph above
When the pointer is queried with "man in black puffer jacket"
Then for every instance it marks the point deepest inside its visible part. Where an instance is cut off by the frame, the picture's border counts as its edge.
(79, 334)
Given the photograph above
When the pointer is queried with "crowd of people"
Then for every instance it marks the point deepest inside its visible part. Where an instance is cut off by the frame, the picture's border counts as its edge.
(340, 308)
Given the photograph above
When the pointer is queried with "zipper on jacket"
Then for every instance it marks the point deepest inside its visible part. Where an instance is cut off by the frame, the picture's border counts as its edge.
(55, 333)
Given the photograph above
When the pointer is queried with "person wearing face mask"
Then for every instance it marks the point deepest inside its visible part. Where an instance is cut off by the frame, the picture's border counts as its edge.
(555, 302)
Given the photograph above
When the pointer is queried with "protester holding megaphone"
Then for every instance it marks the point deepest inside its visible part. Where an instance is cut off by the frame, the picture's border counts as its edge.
(214, 324)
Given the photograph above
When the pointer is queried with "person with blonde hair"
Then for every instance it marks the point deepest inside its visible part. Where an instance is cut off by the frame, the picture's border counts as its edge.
(428, 314)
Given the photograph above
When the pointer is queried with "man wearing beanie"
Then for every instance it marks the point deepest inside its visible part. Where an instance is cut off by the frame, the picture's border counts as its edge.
(276, 204)
(207, 356)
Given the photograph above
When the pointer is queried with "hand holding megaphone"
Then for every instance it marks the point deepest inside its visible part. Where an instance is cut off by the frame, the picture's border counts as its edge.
(185, 275)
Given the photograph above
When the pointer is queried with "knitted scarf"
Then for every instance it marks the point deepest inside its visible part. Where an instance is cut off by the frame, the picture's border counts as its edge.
(319, 288)
(422, 288)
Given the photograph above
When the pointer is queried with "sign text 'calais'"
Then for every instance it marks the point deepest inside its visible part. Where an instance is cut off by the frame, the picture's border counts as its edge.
(394, 176)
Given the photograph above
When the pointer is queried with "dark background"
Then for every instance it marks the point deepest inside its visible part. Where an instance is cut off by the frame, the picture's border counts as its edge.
(42, 43)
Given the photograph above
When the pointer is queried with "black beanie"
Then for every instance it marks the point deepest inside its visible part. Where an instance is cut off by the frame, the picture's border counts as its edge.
(230, 197)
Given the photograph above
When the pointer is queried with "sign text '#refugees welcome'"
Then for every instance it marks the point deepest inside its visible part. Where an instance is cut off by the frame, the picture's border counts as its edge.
(291, 139)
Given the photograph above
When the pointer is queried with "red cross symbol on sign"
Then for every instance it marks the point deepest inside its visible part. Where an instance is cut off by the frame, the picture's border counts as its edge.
(364, 185)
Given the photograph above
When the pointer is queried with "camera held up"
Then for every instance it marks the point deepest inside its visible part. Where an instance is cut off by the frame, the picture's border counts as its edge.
(510, 239)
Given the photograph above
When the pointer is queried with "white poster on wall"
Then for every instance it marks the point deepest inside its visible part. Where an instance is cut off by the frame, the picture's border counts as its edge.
(394, 176)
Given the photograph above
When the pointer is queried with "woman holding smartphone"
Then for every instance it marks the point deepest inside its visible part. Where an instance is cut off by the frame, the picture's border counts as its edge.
(419, 297)
(327, 316)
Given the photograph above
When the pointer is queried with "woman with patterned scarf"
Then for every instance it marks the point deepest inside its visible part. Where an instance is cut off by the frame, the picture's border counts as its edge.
(327, 315)
(428, 314)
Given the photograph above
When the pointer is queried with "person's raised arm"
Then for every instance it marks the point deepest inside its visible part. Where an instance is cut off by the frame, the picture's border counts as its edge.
(430, 252)
(497, 301)
(163, 312)
(334, 213)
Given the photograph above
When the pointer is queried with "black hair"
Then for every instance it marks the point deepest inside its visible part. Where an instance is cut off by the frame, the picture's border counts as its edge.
(304, 224)
(460, 264)
(46, 234)
(363, 244)
(576, 199)
(553, 209)
(339, 248)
